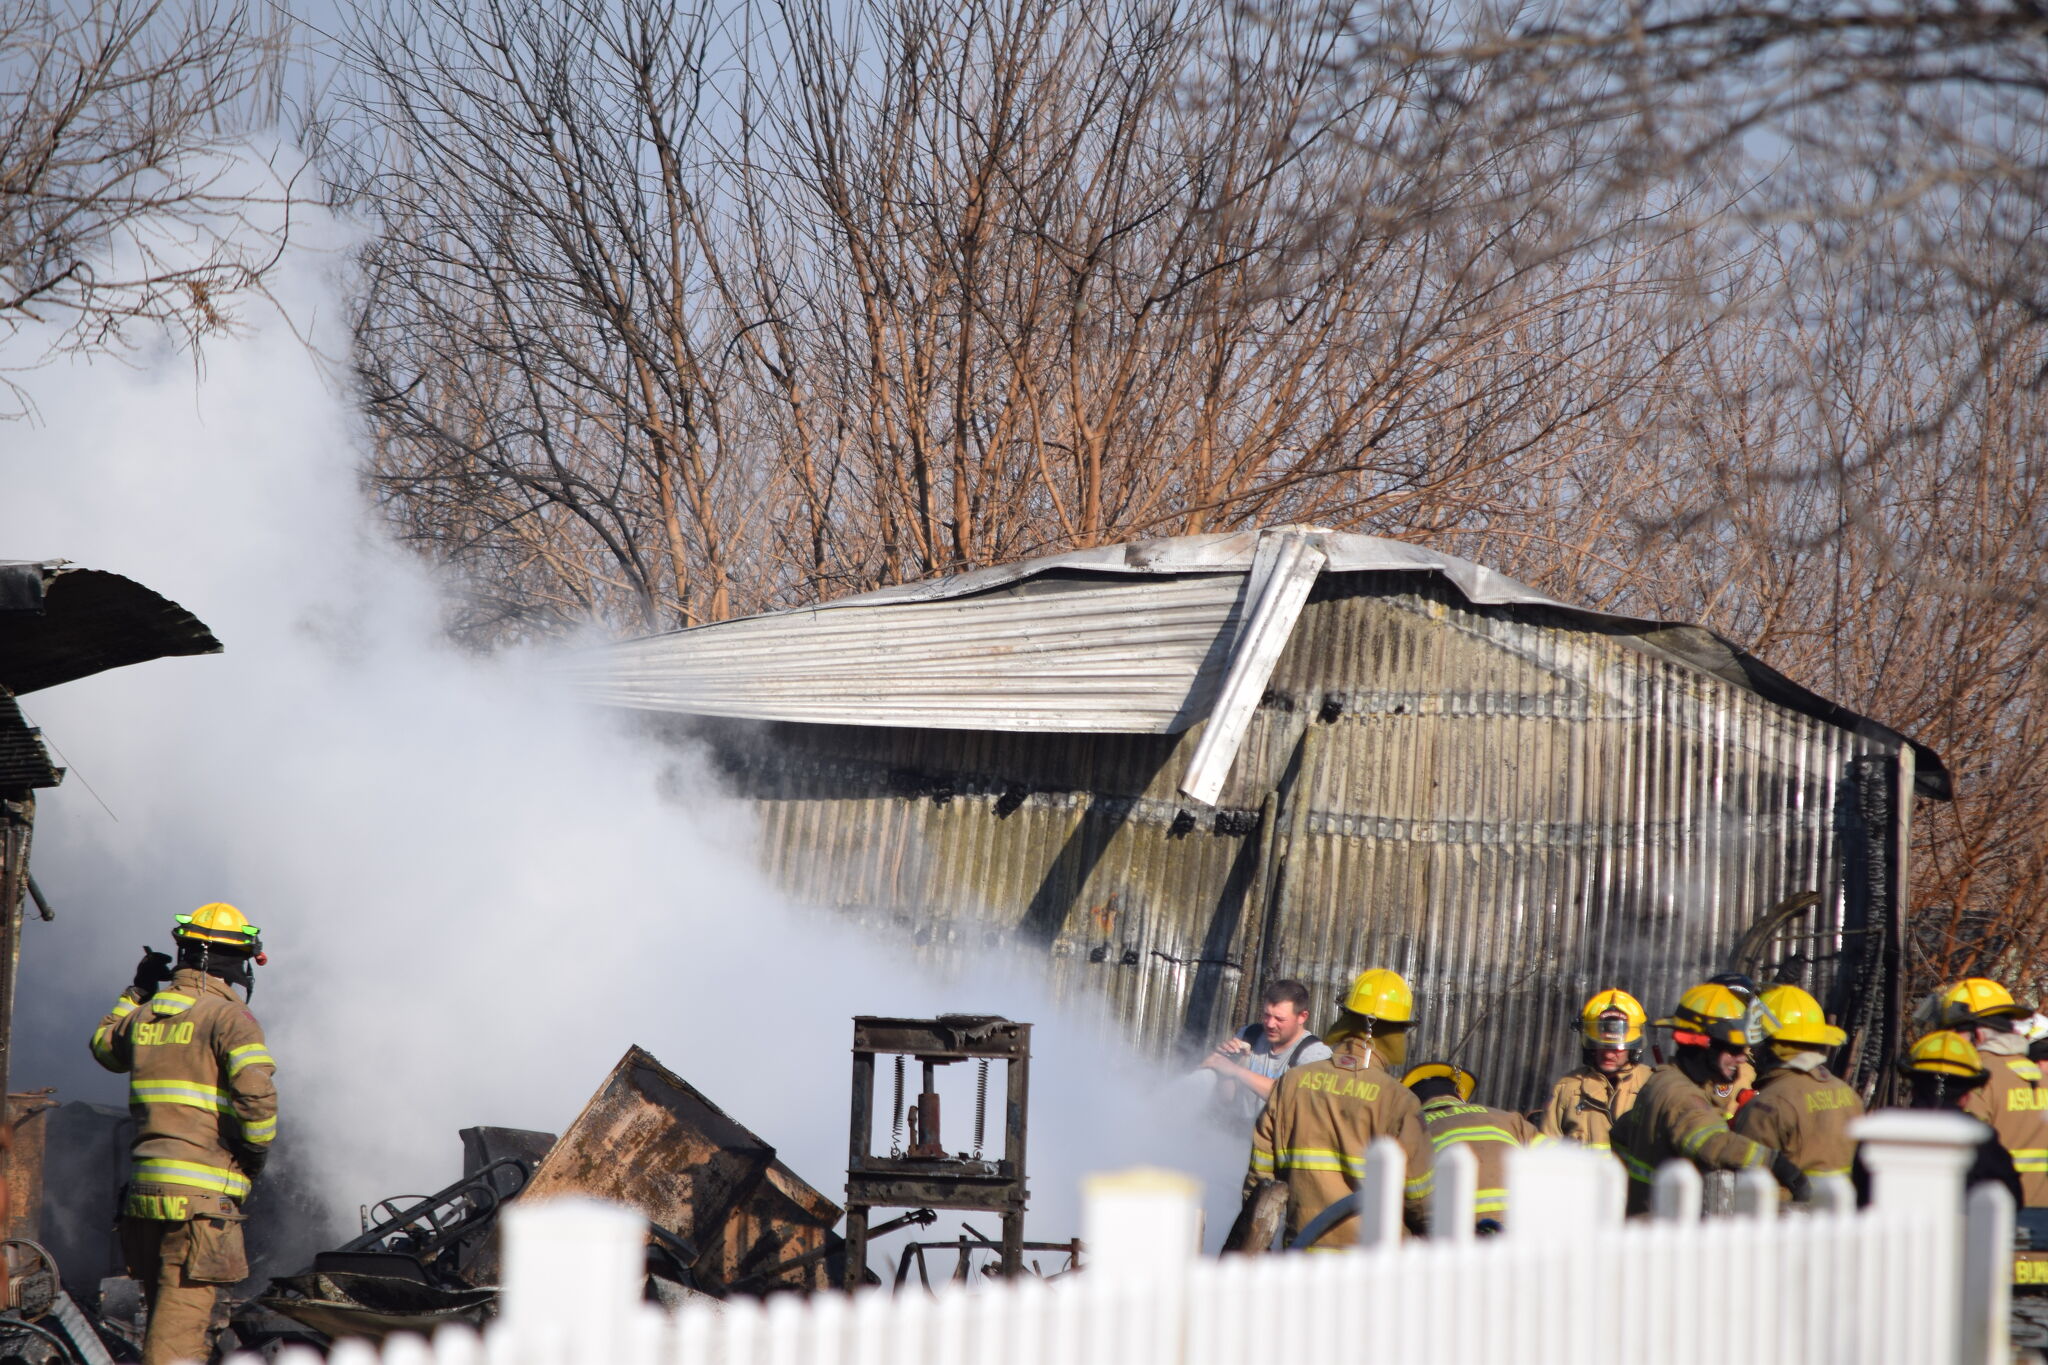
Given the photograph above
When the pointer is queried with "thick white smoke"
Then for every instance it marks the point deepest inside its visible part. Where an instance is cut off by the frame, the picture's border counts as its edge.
(475, 893)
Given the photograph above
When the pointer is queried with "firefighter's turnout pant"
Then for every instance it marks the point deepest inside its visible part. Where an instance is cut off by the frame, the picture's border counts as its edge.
(181, 1248)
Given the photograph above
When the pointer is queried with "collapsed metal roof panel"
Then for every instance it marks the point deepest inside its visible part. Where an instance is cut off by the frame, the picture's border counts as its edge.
(59, 624)
(1136, 638)
(1062, 654)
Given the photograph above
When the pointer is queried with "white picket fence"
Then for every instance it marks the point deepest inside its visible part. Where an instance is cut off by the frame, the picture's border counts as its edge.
(1911, 1279)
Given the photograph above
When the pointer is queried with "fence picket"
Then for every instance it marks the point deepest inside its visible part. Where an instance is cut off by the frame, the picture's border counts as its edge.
(1906, 1281)
(1453, 1200)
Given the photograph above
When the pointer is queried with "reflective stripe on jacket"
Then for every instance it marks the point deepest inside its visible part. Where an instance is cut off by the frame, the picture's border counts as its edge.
(1675, 1116)
(1585, 1102)
(200, 1085)
(1805, 1115)
(1489, 1134)
(1314, 1130)
(2015, 1103)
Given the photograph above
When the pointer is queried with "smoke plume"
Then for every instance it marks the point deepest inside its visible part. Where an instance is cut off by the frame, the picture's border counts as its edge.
(474, 891)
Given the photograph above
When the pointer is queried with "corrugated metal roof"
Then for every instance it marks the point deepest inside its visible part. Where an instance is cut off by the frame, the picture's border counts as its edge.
(1058, 653)
(85, 621)
(24, 763)
(1130, 638)
(1510, 809)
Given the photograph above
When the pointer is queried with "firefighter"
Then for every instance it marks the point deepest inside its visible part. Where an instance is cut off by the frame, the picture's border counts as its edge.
(1801, 1108)
(2014, 1101)
(1313, 1132)
(205, 1115)
(1732, 1094)
(1452, 1120)
(1942, 1071)
(1587, 1100)
(1678, 1114)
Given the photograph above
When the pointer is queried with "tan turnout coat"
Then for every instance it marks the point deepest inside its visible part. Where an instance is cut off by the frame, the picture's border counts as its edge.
(1675, 1116)
(1585, 1102)
(1805, 1115)
(1314, 1130)
(200, 1089)
(2015, 1103)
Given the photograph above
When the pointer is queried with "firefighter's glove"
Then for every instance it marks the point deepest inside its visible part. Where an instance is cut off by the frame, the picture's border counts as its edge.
(252, 1160)
(152, 971)
(1791, 1177)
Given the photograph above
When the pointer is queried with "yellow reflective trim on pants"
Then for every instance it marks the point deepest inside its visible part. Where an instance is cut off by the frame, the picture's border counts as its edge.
(163, 1208)
(261, 1131)
(156, 1170)
(193, 1094)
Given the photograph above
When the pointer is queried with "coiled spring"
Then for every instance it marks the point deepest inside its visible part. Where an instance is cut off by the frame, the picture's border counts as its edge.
(896, 1115)
(980, 1104)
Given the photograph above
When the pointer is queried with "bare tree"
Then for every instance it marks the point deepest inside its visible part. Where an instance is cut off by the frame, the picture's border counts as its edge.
(1901, 150)
(1708, 314)
(672, 320)
(128, 192)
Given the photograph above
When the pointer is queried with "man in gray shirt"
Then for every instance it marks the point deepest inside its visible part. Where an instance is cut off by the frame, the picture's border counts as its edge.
(1249, 1061)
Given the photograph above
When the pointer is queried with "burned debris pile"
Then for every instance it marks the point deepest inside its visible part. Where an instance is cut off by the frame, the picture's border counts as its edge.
(725, 1217)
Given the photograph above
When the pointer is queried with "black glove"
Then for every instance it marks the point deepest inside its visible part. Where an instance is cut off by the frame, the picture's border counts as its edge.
(152, 971)
(1791, 1177)
(252, 1160)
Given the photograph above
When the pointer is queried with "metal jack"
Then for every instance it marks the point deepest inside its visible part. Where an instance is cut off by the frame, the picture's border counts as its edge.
(924, 1174)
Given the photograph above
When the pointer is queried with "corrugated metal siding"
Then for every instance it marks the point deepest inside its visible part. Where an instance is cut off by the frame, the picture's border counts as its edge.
(1510, 808)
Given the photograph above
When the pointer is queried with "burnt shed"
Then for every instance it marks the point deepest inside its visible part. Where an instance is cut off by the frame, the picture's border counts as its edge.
(1178, 768)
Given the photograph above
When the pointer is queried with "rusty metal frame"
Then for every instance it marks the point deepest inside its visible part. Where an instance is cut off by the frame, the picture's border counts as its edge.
(938, 1182)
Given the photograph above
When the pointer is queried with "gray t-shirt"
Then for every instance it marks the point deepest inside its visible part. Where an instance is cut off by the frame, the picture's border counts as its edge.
(1265, 1060)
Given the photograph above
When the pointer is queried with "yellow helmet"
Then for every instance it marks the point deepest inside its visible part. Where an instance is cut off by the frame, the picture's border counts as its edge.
(1945, 1053)
(1710, 1012)
(1456, 1075)
(218, 925)
(1966, 1002)
(1612, 1018)
(1381, 994)
(1790, 1015)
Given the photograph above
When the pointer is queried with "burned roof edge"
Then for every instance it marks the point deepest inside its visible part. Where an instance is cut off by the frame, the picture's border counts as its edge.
(59, 623)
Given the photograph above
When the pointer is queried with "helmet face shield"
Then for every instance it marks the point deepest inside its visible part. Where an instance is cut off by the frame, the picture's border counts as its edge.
(1758, 1021)
(1610, 1029)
